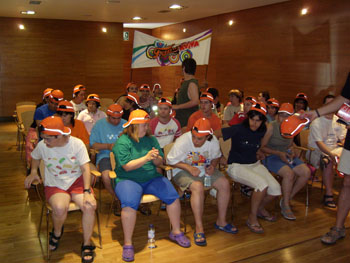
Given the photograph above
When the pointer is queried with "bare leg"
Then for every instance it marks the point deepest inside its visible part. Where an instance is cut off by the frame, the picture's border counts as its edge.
(174, 212)
(197, 203)
(223, 198)
(59, 203)
(287, 183)
(257, 198)
(303, 173)
(328, 177)
(107, 182)
(267, 199)
(128, 220)
(344, 202)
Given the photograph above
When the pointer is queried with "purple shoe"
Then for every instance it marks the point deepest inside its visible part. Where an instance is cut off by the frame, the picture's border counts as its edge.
(181, 239)
(128, 253)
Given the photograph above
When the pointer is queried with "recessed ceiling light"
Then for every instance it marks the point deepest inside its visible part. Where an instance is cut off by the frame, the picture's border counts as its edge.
(137, 18)
(104, 30)
(176, 7)
(184, 30)
(304, 11)
(112, 1)
(20, 26)
(29, 12)
(231, 22)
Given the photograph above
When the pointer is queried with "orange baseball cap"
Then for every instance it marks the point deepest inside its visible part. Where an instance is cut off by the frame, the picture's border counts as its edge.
(65, 106)
(202, 128)
(93, 97)
(78, 88)
(157, 85)
(145, 87)
(54, 126)
(207, 96)
(165, 101)
(293, 125)
(56, 95)
(251, 99)
(137, 117)
(115, 110)
(286, 108)
(260, 107)
(273, 102)
(129, 85)
(134, 97)
(301, 96)
(47, 93)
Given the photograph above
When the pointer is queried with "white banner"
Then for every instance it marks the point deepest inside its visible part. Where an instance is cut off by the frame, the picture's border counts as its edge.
(149, 51)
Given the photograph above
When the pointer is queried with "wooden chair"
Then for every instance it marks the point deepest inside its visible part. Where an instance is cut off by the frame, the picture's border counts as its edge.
(146, 198)
(105, 103)
(20, 103)
(46, 207)
(24, 117)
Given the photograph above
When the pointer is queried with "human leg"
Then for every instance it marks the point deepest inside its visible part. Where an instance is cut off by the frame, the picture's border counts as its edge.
(303, 174)
(105, 167)
(344, 202)
(197, 204)
(222, 198)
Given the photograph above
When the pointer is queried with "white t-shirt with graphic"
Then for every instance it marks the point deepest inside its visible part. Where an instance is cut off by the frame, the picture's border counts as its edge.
(62, 164)
(184, 151)
(165, 132)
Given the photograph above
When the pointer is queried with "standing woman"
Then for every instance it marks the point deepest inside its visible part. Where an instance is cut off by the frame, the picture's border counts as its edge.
(137, 155)
(245, 167)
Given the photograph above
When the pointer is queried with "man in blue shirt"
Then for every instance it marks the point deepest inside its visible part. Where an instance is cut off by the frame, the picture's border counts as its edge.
(48, 109)
(102, 138)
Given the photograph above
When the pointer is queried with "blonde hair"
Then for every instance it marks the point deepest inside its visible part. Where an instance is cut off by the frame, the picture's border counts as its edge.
(133, 132)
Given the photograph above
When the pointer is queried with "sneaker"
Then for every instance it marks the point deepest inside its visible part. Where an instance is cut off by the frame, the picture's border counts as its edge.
(332, 236)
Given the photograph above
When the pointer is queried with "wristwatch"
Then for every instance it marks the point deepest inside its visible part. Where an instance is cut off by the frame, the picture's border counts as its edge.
(87, 190)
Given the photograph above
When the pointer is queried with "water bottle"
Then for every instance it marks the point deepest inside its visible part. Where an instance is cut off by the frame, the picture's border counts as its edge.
(207, 180)
(151, 236)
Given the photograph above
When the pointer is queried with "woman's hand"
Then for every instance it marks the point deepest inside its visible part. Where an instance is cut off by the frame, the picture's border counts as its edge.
(152, 154)
(284, 157)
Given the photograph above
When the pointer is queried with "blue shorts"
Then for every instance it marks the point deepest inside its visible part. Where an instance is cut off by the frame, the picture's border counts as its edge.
(274, 163)
(130, 192)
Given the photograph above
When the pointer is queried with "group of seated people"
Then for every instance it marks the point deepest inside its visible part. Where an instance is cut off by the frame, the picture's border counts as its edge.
(136, 132)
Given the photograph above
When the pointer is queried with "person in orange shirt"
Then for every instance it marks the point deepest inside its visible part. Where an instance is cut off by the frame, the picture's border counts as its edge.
(205, 111)
(65, 110)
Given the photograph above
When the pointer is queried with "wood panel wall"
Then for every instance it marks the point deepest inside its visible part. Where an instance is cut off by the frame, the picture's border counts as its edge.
(271, 48)
(58, 54)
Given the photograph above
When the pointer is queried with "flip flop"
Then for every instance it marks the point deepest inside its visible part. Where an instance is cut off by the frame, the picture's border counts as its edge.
(269, 218)
(255, 228)
(180, 239)
(128, 253)
(200, 236)
(227, 228)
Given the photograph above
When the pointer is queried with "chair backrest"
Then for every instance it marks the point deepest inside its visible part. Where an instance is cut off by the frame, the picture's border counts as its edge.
(225, 147)
(111, 156)
(42, 170)
(304, 138)
(25, 103)
(25, 108)
(167, 149)
(105, 103)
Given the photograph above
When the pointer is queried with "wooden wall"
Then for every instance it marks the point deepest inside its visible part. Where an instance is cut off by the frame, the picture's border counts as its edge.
(271, 48)
(58, 54)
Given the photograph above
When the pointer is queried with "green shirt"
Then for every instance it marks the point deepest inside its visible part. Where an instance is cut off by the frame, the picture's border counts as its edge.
(126, 150)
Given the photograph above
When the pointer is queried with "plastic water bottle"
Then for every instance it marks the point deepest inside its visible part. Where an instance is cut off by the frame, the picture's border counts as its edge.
(151, 236)
(207, 180)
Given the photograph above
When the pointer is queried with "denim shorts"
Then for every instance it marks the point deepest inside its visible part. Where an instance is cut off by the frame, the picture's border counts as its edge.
(130, 192)
(274, 163)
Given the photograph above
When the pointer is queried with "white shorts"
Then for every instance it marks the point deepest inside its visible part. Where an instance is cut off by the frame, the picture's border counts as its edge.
(255, 176)
(344, 163)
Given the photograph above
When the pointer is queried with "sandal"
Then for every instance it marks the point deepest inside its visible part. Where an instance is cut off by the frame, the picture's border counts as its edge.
(180, 239)
(286, 211)
(246, 190)
(269, 218)
(328, 201)
(54, 241)
(332, 236)
(87, 251)
(255, 228)
(199, 236)
(228, 228)
(128, 253)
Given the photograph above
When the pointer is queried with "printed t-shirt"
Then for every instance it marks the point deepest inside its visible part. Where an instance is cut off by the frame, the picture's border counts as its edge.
(165, 132)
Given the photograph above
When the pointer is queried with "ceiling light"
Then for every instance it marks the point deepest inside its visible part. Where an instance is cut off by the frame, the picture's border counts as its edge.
(29, 12)
(304, 11)
(184, 30)
(20, 26)
(176, 7)
(137, 18)
(104, 30)
(231, 22)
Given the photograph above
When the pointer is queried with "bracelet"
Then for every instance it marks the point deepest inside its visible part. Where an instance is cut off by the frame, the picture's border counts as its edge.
(318, 114)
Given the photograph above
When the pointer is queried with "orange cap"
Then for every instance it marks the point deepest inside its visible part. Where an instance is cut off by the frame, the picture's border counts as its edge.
(260, 107)
(136, 117)
(202, 128)
(157, 85)
(115, 110)
(273, 102)
(93, 97)
(56, 95)
(145, 87)
(134, 97)
(251, 99)
(47, 93)
(301, 96)
(207, 96)
(129, 85)
(54, 126)
(165, 101)
(286, 108)
(293, 125)
(65, 106)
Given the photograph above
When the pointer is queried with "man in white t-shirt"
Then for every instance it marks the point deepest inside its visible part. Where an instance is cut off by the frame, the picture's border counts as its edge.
(67, 177)
(325, 133)
(195, 155)
(165, 127)
(78, 99)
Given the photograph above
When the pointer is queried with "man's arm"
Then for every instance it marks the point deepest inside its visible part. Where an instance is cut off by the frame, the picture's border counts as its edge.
(192, 93)
(194, 171)
(33, 174)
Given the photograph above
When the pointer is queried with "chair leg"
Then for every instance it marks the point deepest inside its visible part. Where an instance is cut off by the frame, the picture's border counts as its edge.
(160, 206)
(41, 219)
(99, 227)
(99, 194)
(110, 211)
(307, 195)
(48, 234)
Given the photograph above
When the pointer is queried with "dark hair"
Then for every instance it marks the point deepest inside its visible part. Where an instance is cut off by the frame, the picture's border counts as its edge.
(265, 94)
(237, 93)
(329, 96)
(306, 104)
(251, 114)
(97, 103)
(71, 113)
(133, 104)
(214, 92)
(190, 66)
